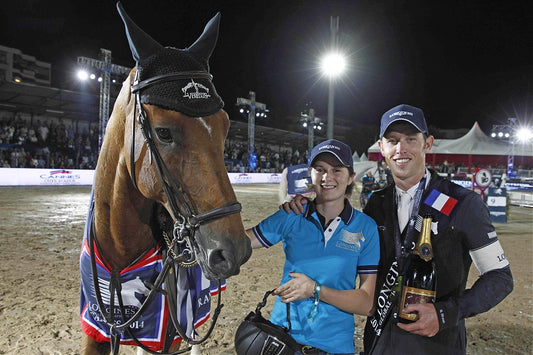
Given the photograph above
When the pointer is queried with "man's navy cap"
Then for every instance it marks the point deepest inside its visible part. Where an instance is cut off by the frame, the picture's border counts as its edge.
(340, 150)
(407, 113)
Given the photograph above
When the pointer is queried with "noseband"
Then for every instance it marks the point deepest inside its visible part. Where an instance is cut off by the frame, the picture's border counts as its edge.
(188, 220)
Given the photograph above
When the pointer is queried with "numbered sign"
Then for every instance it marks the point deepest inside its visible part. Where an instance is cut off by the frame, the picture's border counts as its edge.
(497, 203)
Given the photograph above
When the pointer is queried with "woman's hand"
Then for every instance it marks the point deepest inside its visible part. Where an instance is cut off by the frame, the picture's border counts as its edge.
(298, 288)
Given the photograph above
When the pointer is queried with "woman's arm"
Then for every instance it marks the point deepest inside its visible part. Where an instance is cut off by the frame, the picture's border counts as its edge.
(358, 301)
(255, 242)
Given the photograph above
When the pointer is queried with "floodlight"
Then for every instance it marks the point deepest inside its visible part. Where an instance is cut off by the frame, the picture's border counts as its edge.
(83, 75)
(333, 64)
(524, 134)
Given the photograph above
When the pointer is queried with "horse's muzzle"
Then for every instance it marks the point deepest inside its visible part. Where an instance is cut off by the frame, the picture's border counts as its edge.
(221, 258)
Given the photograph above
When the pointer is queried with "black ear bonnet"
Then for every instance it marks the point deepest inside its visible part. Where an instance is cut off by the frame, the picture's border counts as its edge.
(186, 84)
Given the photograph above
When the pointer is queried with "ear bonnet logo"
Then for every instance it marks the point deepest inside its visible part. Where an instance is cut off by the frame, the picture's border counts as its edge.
(200, 91)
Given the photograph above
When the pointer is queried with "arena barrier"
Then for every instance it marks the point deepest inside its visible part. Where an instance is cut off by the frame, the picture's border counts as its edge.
(69, 177)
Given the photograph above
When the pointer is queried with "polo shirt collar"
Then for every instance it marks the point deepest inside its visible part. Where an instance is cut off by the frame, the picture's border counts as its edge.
(346, 215)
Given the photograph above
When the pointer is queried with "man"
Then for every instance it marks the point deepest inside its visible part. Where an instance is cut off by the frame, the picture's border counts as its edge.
(462, 233)
(368, 182)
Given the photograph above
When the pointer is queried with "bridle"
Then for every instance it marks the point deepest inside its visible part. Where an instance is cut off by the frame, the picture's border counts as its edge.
(188, 220)
(180, 250)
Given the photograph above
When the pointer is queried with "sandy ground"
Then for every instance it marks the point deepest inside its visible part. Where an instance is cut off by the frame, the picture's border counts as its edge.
(40, 236)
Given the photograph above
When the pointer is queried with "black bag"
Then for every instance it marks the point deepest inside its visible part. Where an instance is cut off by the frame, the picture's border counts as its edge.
(258, 336)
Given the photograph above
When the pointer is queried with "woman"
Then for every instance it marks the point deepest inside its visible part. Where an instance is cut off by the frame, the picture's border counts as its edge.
(326, 248)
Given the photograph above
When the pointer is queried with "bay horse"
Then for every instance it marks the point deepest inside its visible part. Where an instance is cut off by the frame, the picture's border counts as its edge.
(161, 201)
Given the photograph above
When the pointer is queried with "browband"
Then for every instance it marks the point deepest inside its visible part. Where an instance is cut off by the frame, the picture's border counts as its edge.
(171, 77)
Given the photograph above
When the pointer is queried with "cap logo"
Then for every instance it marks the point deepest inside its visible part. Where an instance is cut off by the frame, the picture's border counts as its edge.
(402, 113)
(195, 91)
(329, 147)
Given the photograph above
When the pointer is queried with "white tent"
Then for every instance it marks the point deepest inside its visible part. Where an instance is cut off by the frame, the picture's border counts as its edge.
(474, 143)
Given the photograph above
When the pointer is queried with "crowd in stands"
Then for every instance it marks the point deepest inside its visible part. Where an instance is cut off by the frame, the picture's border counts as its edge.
(267, 158)
(56, 145)
(46, 145)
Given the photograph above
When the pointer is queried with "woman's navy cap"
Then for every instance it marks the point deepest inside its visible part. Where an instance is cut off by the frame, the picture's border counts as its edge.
(340, 150)
(408, 113)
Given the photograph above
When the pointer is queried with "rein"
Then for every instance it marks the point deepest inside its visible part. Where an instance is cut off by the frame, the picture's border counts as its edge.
(167, 273)
(180, 249)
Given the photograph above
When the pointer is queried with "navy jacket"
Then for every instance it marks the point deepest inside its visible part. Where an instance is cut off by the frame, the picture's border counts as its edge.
(466, 235)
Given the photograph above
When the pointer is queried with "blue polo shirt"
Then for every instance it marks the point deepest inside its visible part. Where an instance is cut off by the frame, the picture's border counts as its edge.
(349, 246)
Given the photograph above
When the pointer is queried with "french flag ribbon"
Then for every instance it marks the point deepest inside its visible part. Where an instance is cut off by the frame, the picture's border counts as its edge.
(441, 202)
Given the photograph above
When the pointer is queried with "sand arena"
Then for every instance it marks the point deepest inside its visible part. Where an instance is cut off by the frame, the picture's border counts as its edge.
(40, 238)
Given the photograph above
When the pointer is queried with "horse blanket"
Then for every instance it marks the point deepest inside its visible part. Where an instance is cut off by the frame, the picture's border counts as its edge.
(193, 297)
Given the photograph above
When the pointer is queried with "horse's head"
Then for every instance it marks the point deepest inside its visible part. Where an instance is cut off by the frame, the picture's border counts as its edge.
(174, 132)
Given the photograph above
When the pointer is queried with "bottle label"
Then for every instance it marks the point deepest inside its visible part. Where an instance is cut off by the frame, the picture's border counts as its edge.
(425, 252)
(412, 295)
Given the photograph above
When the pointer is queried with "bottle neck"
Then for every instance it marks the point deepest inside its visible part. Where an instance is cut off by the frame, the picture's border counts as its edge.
(423, 247)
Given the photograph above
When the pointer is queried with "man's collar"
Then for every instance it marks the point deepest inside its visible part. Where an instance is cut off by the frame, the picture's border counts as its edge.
(411, 191)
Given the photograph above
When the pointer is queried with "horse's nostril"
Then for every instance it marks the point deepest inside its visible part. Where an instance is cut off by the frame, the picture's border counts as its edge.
(216, 257)
(222, 261)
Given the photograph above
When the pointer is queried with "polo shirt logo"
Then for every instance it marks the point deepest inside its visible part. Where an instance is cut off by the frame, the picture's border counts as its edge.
(350, 241)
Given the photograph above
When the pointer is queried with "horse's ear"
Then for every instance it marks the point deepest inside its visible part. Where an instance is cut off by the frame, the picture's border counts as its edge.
(205, 44)
(141, 44)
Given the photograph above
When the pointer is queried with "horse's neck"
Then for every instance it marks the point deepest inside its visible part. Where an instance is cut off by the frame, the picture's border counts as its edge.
(122, 221)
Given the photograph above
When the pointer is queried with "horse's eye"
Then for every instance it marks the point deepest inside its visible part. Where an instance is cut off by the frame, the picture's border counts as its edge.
(164, 135)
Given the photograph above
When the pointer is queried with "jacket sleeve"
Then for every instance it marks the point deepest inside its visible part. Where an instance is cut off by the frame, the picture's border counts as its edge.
(488, 290)
(495, 281)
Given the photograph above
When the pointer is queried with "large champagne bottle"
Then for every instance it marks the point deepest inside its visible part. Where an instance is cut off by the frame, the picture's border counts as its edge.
(420, 277)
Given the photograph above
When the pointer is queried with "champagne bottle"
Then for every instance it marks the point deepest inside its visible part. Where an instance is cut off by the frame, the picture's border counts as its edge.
(420, 276)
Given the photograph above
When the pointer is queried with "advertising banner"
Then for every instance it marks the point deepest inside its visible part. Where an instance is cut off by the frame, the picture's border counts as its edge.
(66, 177)
(45, 177)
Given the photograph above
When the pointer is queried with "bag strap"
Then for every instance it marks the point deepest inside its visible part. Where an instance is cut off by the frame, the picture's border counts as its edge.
(264, 301)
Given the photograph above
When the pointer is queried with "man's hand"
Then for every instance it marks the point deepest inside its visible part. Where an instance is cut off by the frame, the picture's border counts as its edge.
(427, 324)
(296, 205)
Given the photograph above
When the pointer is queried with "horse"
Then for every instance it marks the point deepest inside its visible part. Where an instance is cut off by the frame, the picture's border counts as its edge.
(161, 201)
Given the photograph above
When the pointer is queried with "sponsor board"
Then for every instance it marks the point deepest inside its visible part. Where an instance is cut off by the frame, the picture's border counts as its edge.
(254, 178)
(45, 177)
(68, 177)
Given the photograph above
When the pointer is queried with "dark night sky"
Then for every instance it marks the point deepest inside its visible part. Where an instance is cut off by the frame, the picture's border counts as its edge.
(461, 61)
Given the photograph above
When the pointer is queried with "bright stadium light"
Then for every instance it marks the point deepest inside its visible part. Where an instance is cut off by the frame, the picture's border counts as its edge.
(524, 134)
(83, 75)
(333, 64)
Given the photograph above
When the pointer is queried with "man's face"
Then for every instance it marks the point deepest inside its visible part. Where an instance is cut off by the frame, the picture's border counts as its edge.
(405, 154)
